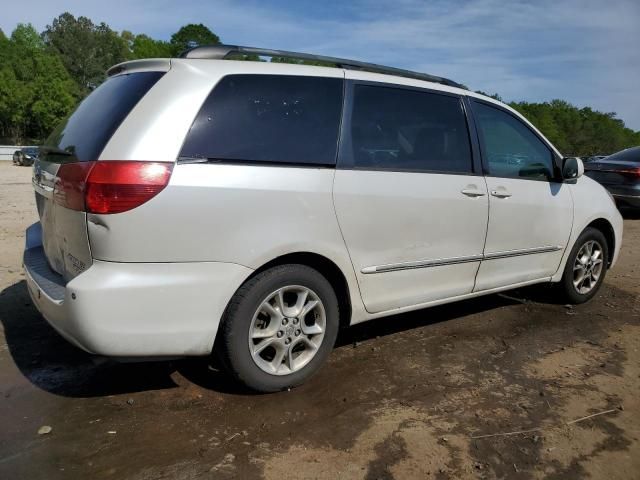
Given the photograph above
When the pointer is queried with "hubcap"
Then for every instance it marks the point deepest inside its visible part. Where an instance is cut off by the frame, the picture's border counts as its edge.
(287, 330)
(587, 267)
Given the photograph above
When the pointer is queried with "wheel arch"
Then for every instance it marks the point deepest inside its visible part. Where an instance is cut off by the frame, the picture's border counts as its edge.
(327, 268)
(604, 226)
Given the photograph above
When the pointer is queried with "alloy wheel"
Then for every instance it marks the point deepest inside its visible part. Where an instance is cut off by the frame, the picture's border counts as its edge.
(587, 267)
(287, 330)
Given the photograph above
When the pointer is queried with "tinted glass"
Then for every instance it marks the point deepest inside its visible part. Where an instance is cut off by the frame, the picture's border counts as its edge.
(268, 118)
(400, 129)
(87, 130)
(510, 148)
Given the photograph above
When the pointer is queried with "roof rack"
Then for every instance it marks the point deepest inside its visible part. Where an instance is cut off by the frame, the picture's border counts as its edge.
(221, 52)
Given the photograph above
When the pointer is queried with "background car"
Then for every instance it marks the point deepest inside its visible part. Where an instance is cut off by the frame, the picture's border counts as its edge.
(25, 156)
(620, 175)
(593, 158)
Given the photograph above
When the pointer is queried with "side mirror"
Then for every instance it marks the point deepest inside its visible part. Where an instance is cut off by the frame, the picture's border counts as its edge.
(572, 168)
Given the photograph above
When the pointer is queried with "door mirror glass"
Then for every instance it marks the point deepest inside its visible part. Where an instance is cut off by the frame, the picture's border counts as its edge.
(572, 168)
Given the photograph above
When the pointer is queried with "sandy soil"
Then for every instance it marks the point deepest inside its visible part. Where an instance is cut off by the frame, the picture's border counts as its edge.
(432, 394)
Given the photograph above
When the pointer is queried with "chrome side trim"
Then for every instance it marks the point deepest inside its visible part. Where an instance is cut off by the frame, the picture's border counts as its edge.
(421, 264)
(456, 260)
(620, 195)
(523, 251)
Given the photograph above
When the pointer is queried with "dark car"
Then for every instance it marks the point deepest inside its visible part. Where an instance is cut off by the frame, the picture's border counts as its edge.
(25, 156)
(620, 174)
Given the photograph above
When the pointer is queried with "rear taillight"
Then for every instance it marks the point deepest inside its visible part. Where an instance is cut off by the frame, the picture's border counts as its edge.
(118, 186)
(110, 186)
(70, 185)
(631, 172)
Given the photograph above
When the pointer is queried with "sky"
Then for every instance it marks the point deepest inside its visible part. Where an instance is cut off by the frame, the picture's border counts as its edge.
(584, 51)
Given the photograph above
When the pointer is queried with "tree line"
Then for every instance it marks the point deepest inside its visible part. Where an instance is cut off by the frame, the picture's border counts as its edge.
(579, 131)
(43, 75)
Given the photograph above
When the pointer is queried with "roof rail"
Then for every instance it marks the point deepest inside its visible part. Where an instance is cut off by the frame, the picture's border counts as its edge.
(221, 52)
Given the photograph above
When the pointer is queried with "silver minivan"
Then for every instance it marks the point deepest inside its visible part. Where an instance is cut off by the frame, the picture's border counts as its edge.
(201, 205)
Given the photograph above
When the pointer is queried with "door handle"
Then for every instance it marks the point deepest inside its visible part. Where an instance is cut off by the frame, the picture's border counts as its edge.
(500, 193)
(472, 192)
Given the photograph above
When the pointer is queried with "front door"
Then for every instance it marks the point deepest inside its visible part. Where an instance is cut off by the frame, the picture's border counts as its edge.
(530, 212)
(411, 207)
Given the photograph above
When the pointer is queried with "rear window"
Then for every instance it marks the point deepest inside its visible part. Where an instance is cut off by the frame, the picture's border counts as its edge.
(84, 133)
(268, 118)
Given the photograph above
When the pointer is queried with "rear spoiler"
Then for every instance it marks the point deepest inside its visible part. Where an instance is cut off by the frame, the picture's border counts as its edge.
(146, 65)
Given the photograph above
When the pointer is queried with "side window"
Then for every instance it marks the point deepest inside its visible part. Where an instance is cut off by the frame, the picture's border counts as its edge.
(510, 148)
(408, 130)
(268, 118)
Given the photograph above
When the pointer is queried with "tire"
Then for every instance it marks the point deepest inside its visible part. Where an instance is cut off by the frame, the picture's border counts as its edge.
(585, 291)
(256, 310)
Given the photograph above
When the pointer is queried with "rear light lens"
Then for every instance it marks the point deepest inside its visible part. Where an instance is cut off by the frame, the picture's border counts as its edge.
(631, 172)
(110, 186)
(119, 186)
(71, 184)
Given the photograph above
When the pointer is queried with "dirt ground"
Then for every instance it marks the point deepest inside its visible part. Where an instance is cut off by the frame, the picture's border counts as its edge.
(432, 394)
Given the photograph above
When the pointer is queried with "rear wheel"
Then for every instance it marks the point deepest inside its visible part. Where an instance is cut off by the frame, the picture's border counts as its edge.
(279, 328)
(586, 267)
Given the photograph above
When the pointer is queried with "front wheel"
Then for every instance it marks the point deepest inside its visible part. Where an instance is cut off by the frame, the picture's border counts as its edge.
(279, 328)
(586, 267)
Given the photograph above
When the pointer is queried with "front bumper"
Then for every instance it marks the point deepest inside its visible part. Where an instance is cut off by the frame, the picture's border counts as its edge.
(133, 309)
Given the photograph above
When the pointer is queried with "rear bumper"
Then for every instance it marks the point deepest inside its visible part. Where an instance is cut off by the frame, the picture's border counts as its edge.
(628, 195)
(134, 309)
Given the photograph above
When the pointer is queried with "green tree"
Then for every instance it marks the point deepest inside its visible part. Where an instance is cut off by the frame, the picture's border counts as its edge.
(86, 50)
(144, 46)
(577, 131)
(35, 89)
(54, 96)
(25, 36)
(13, 101)
(191, 36)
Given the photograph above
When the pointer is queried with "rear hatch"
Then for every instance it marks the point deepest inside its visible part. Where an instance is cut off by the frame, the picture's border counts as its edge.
(67, 156)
